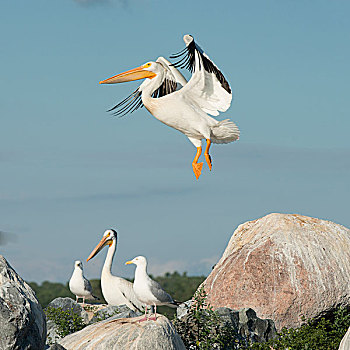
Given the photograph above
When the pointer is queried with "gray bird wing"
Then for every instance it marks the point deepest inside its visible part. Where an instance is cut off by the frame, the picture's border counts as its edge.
(87, 285)
(160, 293)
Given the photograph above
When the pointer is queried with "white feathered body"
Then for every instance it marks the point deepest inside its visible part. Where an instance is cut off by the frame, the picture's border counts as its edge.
(142, 288)
(182, 114)
(116, 290)
(79, 285)
(148, 291)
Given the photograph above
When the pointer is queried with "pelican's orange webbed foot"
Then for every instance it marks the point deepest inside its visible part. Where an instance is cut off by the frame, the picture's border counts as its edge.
(207, 155)
(197, 167)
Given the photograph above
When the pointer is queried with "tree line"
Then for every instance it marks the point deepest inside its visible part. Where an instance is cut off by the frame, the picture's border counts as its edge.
(180, 286)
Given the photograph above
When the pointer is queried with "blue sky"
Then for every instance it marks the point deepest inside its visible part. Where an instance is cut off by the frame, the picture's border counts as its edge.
(69, 170)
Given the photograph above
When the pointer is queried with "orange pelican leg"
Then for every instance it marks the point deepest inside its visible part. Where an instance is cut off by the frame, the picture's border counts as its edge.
(197, 167)
(207, 155)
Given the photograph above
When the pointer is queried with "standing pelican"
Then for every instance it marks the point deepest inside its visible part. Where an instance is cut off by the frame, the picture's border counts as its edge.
(148, 291)
(79, 285)
(115, 290)
(185, 109)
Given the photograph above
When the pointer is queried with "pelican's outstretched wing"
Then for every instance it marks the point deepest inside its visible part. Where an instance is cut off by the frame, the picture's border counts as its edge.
(172, 72)
(128, 105)
(207, 87)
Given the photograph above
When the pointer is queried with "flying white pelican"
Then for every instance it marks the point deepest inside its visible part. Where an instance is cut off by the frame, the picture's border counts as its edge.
(148, 291)
(79, 285)
(115, 290)
(185, 109)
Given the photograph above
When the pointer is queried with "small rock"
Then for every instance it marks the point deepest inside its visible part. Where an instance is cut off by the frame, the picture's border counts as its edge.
(254, 328)
(114, 312)
(182, 310)
(56, 347)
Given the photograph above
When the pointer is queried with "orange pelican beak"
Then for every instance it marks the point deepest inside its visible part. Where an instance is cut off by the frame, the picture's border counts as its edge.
(129, 75)
(104, 241)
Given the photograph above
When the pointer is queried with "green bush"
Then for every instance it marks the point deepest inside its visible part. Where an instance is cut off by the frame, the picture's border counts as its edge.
(201, 328)
(180, 287)
(67, 322)
(321, 334)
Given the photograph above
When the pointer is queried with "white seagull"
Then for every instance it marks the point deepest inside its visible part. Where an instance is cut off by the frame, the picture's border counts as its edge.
(79, 285)
(115, 290)
(148, 291)
(180, 104)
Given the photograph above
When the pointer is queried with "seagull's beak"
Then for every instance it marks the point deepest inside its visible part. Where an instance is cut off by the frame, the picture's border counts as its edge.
(99, 246)
(130, 75)
(129, 262)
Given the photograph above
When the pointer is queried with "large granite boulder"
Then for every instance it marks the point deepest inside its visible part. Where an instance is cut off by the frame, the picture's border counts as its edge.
(125, 334)
(345, 343)
(284, 267)
(22, 321)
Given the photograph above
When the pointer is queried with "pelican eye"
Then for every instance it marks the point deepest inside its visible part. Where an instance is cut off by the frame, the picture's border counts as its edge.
(147, 65)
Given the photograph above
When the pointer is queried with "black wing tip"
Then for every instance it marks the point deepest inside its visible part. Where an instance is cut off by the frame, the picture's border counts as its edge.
(129, 105)
(166, 88)
(186, 59)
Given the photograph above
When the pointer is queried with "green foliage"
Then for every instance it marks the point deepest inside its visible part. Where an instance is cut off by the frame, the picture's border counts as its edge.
(180, 287)
(202, 328)
(322, 334)
(48, 291)
(67, 321)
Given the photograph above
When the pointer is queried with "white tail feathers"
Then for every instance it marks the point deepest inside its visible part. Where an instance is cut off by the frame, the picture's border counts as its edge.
(224, 131)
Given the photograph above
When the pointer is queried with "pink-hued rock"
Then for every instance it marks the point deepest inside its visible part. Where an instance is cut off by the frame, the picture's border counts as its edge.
(284, 267)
